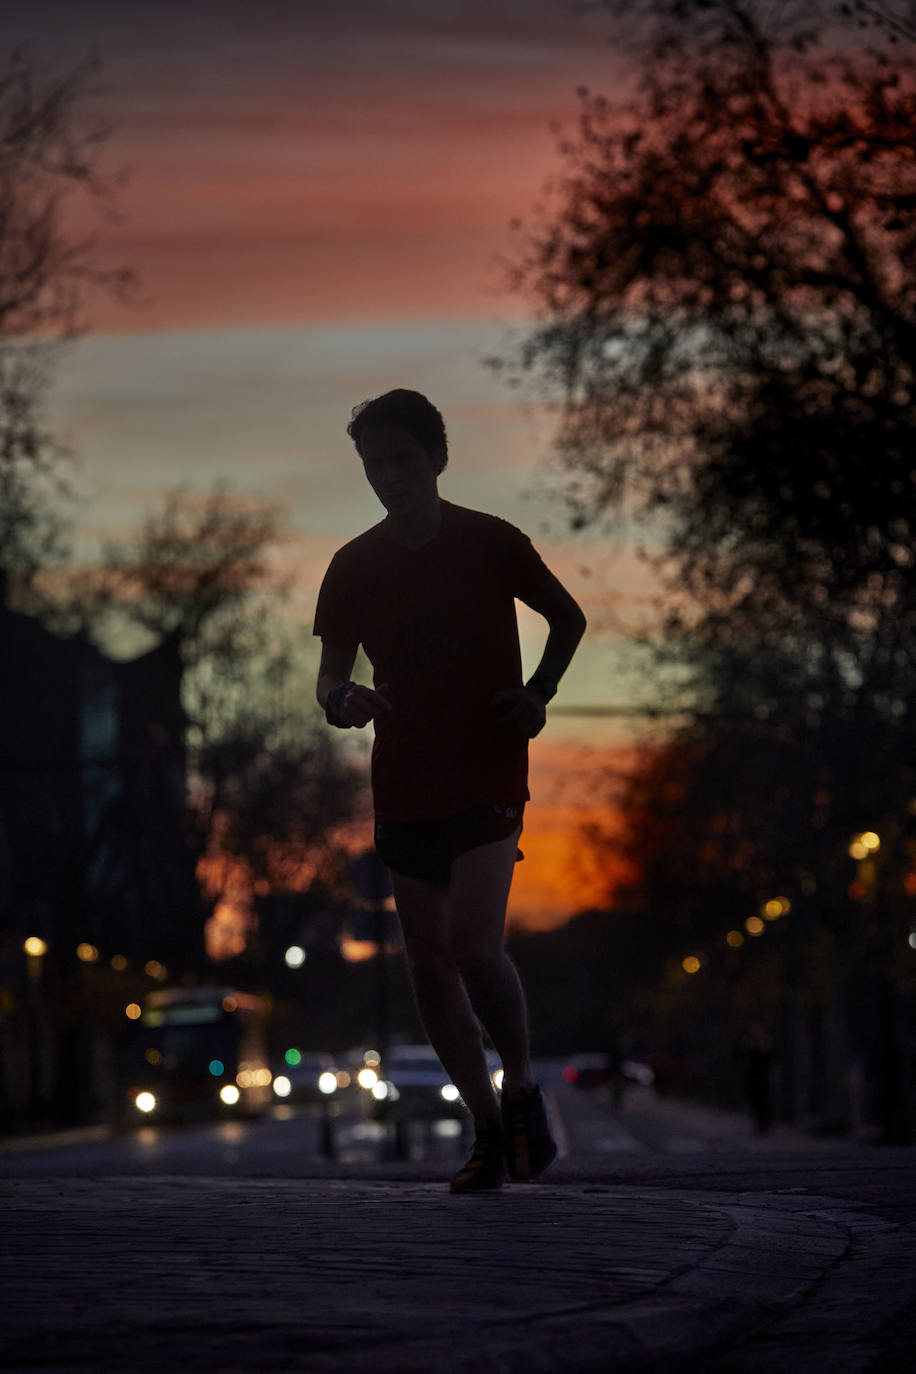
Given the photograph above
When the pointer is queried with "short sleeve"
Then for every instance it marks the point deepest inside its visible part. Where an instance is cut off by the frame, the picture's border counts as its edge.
(337, 611)
(525, 570)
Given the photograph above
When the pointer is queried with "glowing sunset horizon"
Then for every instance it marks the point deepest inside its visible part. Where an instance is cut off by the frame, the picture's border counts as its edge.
(317, 210)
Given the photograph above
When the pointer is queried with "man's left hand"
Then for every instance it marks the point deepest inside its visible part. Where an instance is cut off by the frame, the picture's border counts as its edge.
(521, 709)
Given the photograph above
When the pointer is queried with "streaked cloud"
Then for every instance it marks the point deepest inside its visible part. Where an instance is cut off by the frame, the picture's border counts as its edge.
(318, 197)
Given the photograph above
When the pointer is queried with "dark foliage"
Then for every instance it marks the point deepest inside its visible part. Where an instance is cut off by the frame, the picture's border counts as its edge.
(727, 293)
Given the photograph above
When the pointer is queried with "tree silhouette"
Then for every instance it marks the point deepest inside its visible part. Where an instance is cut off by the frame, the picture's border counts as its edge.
(740, 241)
(727, 297)
(266, 783)
(50, 158)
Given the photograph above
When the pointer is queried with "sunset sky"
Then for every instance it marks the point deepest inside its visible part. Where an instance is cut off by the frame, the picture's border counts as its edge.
(317, 200)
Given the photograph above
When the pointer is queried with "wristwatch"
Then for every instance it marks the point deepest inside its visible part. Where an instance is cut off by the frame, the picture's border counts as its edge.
(544, 686)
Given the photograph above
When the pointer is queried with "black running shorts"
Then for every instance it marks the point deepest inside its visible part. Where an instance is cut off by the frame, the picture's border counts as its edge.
(426, 849)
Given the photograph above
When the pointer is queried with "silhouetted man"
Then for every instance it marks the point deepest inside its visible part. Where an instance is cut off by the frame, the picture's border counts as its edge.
(429, 594)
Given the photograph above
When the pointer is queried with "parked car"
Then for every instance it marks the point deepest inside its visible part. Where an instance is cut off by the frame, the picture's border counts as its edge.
(595, 1070)
(413, 1085)
(312, 1076)
(587, 1070)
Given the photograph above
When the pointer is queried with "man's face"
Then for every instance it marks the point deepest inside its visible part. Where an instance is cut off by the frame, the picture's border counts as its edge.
(400, 471)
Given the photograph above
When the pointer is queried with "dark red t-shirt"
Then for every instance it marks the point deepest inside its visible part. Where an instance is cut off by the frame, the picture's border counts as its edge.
(439, 627)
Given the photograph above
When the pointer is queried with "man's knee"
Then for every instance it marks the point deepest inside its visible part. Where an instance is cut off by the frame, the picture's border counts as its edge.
(430, 962)
(480, 965)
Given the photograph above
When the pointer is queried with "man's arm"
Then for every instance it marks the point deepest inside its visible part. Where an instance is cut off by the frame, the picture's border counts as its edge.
(567, 624)
(335, 668)
(360, 704)
(526, 708)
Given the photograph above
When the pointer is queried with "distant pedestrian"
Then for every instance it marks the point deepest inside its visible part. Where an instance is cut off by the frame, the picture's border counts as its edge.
(758, 1054)
(429, 593)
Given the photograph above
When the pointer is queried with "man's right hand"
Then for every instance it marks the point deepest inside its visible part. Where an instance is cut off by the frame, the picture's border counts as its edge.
(361, 704)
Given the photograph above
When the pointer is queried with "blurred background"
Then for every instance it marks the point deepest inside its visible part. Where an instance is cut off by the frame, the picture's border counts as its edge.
(656, 264)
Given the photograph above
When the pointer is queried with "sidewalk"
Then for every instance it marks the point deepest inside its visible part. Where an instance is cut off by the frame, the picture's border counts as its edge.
(804, 1261)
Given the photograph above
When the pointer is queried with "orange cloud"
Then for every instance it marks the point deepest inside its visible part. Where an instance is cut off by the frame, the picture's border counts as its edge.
(563, 872)
(572, 788)
(316, 207)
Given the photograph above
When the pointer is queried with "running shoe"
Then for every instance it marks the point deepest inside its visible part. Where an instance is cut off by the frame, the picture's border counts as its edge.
(529, 1146)
(486, 1168)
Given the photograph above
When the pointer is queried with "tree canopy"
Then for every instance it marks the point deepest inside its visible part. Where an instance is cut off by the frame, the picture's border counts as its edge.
(726, 290)
(50, 158)
(725, 286)
(267, 782)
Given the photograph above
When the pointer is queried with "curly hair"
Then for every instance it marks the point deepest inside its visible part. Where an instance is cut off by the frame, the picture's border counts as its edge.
(409, 409)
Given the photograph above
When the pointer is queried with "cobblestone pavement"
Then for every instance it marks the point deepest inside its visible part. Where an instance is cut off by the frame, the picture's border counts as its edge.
(730, 1265)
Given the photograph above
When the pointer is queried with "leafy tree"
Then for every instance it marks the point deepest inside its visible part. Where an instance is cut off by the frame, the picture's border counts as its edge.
(267, 784)
(728, 313)
(727, 321)
(50, 158)
(197, 573)
(727, 298)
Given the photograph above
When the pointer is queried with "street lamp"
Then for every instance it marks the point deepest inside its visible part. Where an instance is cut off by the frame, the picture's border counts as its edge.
(35, 949)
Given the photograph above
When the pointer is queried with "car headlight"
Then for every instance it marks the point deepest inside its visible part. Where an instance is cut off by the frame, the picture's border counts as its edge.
(449, 1092)
(229, 1094)
(327, 1082)
(367, 1078)
(145, 1102)
(282, 1086)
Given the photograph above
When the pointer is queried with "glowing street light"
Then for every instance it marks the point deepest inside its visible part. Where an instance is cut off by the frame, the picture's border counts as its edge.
(863, 845)
(35, 949)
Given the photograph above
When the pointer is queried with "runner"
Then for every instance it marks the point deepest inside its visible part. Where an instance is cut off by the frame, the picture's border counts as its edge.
(429, 593)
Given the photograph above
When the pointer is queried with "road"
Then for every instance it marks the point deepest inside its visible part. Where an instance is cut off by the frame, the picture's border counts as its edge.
(665, 1237)
(290, 1141)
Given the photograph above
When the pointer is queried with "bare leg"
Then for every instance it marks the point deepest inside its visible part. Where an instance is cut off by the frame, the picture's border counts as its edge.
(442, 999)
(477, 899)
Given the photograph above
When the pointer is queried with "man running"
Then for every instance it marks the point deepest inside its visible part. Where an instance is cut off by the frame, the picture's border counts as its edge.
(429, 593)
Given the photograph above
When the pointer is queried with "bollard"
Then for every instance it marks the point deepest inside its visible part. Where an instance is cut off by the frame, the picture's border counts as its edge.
(327, 1134)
